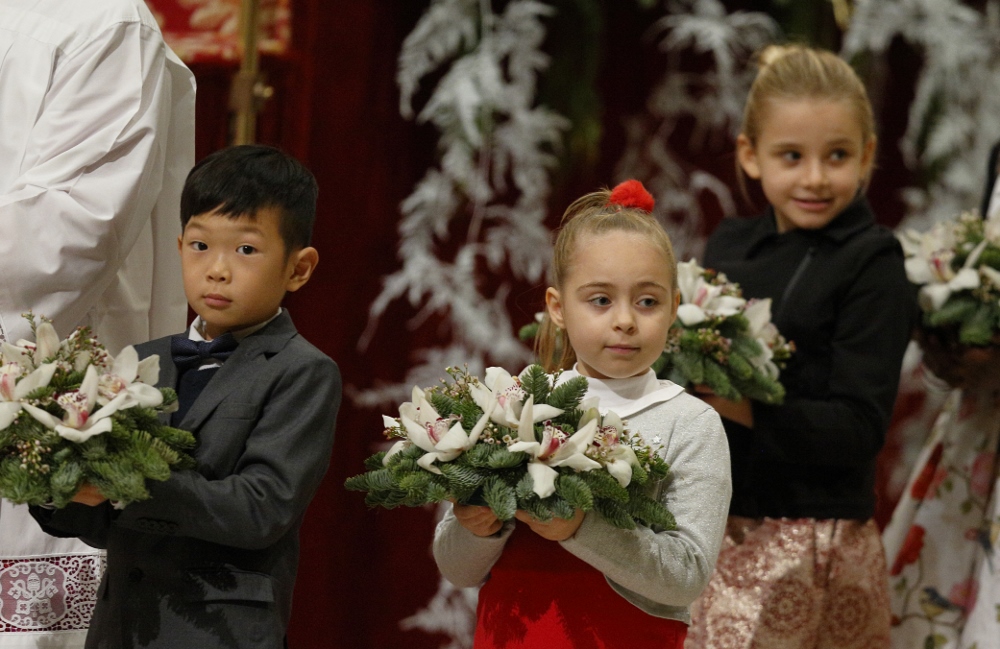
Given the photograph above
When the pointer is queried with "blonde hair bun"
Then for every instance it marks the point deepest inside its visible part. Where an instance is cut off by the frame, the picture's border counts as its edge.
(772, 53)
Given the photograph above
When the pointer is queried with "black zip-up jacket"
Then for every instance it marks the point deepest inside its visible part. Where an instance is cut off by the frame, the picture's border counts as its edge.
(841, 294)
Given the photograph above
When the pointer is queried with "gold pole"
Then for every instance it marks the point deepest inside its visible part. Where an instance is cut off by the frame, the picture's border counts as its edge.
(248, 91)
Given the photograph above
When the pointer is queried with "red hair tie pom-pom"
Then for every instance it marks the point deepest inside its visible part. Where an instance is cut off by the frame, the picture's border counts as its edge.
(631, 193)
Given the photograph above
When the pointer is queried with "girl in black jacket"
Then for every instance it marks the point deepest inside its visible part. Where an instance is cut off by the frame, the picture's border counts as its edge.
(802, 565)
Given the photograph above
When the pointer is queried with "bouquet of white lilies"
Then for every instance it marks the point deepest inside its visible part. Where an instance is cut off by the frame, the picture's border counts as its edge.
(71, 414)
(956, 264)
(515, 443)
(722, 340)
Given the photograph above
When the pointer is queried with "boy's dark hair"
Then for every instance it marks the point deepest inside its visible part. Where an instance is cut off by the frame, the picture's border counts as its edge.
(240, 180)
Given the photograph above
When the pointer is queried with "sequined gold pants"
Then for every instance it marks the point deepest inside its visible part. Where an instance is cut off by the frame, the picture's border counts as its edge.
(795, 584)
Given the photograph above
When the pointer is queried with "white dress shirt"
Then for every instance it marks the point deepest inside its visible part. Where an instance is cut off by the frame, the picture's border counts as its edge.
(96, 139)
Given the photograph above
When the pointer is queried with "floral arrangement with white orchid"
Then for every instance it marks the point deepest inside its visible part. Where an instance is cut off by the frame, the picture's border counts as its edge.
(722, 340)
(71, 414)
(515, 442)
(956, 264)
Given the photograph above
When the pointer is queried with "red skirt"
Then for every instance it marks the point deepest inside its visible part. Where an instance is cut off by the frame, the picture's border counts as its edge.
(541, 596)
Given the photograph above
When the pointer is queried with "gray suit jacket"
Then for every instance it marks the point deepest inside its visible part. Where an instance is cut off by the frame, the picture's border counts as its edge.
(210, 560)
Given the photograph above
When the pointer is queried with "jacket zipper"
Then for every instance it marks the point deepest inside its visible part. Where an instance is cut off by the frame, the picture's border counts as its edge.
(796, 276)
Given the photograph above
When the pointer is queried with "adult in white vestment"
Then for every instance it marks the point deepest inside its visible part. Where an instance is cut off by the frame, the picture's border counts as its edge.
(96, 139)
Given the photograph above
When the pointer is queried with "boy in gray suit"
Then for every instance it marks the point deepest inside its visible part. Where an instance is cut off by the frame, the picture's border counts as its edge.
(210, 560)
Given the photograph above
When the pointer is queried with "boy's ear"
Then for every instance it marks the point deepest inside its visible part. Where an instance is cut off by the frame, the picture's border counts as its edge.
(302, 264)
(747, 156)
(553, 304)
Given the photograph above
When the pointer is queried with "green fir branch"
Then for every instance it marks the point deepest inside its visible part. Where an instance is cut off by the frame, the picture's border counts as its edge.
(375, 462)
(560, 507)
(576, 492)
(567, 396)
(614, 513)
(502, 458)
(535, 382)
(500, 497)
(650, 512)
(979, 327)
(957, 309)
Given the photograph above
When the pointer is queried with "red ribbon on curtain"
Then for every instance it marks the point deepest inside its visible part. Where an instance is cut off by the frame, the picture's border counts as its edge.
(208, 30)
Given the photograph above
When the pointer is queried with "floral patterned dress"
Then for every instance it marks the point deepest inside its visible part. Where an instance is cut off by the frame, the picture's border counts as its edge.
(942, 539)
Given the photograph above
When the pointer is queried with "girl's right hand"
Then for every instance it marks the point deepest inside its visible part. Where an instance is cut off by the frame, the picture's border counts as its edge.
(961, 366)
(481, 521)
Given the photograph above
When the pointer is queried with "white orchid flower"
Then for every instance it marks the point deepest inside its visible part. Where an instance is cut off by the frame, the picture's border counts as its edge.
(758, 314)
(933, 295)
(507, 398)
(929, 257)
(12, 390)
(992, 275)
(128, 375)
(616, 457)
(78, 423)
(30, 354)
(81, 362)
(929, 254)
(700, 299)
(412, 410)
(47, 342)
(18, 355)
(622, 458)
(556, 449)
(9, 374)
(443, 438)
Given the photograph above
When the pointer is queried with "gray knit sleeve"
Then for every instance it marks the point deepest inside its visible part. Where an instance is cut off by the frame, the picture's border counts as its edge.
(463, 558)
(669, 568)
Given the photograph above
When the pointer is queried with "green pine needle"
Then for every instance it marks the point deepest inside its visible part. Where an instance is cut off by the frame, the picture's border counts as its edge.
(535, 381)
(978, 329)
(569, 395)
(500, 498)
(374, 462)
(576, 492)
(501, 458)
(614, 513)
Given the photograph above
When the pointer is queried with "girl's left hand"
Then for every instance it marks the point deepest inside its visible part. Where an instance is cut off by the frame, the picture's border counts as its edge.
(557, 529)
(89, 495)
(739, 411)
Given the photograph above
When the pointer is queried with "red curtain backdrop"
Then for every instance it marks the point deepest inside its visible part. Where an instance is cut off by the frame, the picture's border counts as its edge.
(336, 108)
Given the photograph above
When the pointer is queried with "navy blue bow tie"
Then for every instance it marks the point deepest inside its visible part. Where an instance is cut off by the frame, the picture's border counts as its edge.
(189, 353)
